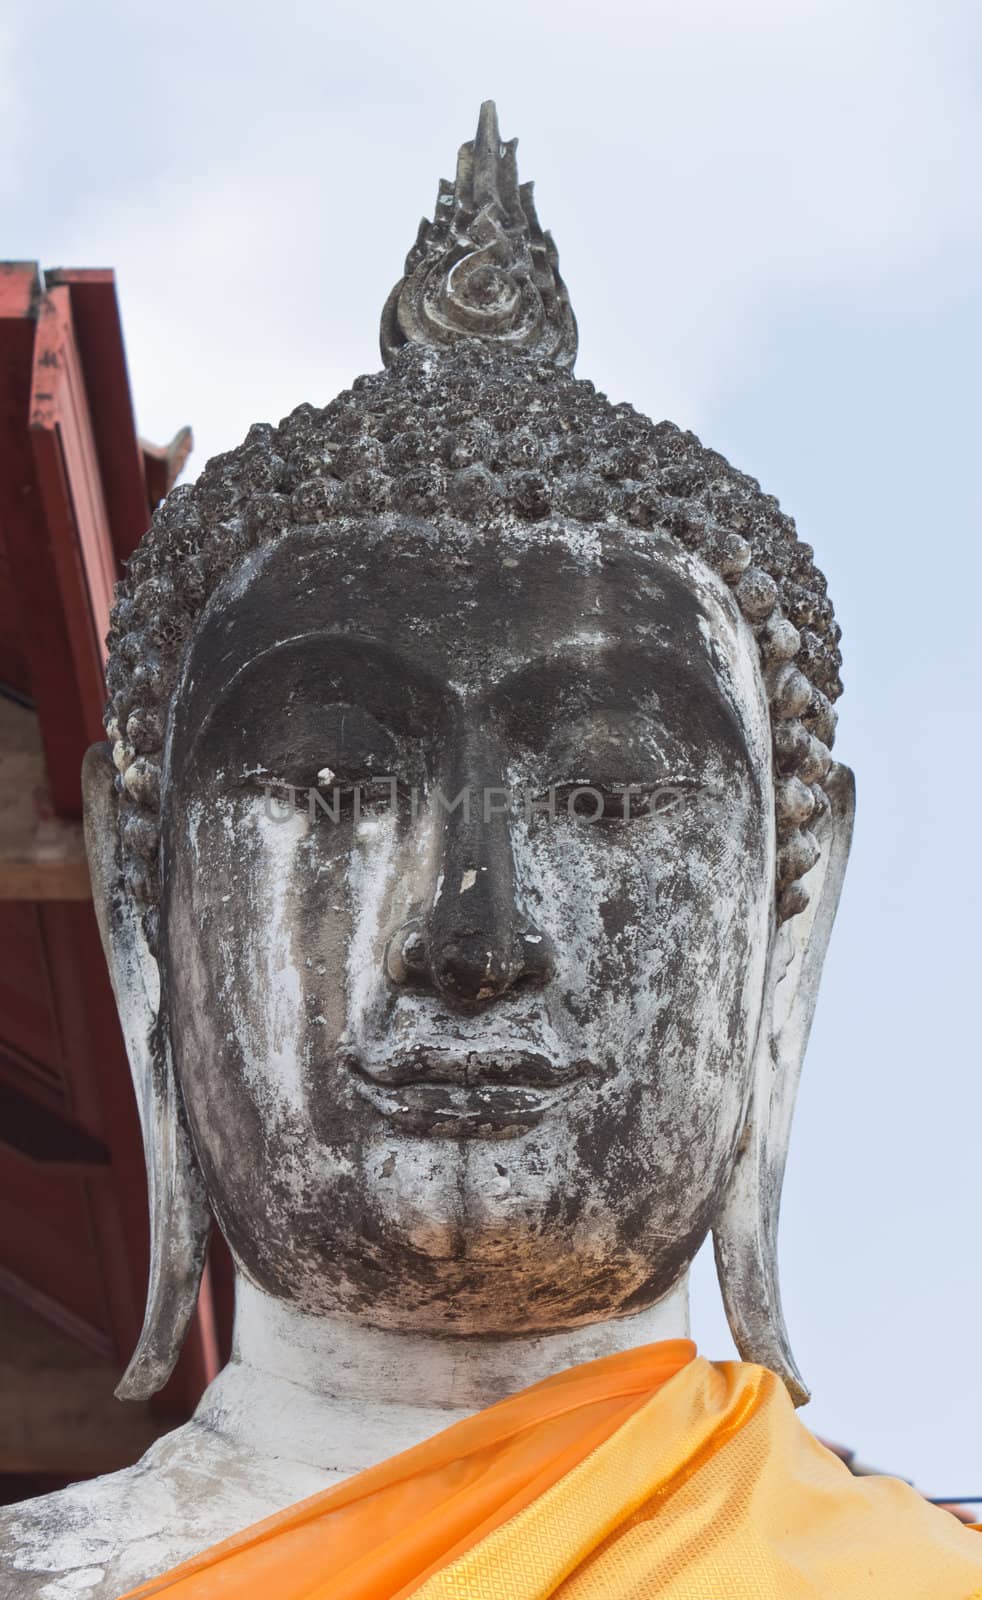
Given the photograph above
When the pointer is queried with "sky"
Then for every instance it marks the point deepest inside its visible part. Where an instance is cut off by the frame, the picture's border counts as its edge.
(767, 217)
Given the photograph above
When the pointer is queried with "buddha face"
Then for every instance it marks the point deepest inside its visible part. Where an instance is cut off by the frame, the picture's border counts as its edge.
(467, 861)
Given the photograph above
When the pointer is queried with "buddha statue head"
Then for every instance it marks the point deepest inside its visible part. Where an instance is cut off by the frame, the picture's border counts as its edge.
(468, 838)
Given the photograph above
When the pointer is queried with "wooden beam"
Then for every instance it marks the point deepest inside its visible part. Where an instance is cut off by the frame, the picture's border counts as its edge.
(42, 856)
(72, 499)
(30, 568)
(17, 1293)
(99, 336)
(77, 1245)
(164, 463)
(47, 1139)
(58, 1413)
(20, 289)
(101, 1099)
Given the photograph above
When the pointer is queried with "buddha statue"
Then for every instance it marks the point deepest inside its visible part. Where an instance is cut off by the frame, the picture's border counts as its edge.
(466, 848)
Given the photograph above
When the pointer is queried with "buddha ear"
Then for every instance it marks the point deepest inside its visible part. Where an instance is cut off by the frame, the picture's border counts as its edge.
(180, 1220)
(745, 1233)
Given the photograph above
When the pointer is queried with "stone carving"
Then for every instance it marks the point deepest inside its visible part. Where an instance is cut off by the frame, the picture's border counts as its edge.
(465, 1087)
(483, 267)
(479, 437)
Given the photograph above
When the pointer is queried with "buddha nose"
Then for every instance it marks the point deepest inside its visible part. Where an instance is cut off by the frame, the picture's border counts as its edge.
(475, 943)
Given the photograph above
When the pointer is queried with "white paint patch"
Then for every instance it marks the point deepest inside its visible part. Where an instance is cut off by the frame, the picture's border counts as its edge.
(589, 639)
(269, 1049)
(370, 872)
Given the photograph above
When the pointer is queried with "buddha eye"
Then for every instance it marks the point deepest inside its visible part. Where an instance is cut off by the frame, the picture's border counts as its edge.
(326, 792)
(665, 797)
(606, 801)
(338, 752)
(602, 802)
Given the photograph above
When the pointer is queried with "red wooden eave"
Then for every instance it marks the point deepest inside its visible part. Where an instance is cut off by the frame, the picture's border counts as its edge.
(76, 491)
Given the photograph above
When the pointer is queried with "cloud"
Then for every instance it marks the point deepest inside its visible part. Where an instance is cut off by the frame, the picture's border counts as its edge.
(12, 118)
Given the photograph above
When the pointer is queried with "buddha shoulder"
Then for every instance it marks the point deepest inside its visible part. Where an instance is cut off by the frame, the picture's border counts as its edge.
(97, 1539)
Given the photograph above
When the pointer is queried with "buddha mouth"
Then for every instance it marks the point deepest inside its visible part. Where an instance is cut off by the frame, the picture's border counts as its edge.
(471, 1094)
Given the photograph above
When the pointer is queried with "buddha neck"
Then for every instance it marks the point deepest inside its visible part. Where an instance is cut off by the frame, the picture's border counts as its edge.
(341, 1396)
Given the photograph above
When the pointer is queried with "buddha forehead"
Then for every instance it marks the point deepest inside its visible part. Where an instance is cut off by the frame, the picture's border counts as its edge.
(477, 615)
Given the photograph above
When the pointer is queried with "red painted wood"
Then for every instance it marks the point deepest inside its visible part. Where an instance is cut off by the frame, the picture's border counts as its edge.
(56, 1312)
(45, 1138)
(48, 1241)
(164, 463)
(102, 1101)
(99, 336)
(27, 1028)
(44, 640)
(200, 1360)
(72, 500)
(13, 662)
(20, 289)
(73, 503)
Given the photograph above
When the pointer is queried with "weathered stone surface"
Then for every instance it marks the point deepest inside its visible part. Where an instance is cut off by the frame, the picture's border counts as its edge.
(465, 1083)
(482, 439)
(483, 267)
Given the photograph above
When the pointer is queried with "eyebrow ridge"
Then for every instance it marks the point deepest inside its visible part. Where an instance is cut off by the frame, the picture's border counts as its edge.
(583, 660)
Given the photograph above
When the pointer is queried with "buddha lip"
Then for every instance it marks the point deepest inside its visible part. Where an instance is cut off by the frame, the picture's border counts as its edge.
(514, 1068)
(474, 1094)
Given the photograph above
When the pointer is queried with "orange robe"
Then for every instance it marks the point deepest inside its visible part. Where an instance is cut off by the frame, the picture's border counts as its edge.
(648, 1475)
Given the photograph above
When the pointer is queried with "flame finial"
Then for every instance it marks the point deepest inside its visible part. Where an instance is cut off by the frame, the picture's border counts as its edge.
(483, 268)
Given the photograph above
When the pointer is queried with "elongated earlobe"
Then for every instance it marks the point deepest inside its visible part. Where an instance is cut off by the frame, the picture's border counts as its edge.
(745, 1234)
(180, 1220)
(180, 1223)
